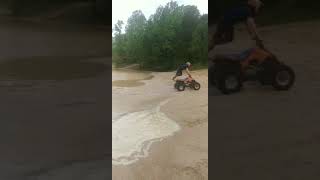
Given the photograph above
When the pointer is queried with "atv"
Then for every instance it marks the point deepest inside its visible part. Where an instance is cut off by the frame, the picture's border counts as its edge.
(228, 72)
(180, 85)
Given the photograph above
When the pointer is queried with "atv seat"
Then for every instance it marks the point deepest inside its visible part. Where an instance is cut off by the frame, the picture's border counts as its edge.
(233, 57)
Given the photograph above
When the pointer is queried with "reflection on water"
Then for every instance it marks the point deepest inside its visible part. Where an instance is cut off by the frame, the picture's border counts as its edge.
(133, 133)
(120, 74)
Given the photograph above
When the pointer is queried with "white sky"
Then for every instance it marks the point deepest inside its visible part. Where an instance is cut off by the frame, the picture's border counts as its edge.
(122, 9)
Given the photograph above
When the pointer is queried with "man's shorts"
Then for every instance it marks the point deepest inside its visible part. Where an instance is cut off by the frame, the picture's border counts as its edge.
(182, 77)
(179, 73)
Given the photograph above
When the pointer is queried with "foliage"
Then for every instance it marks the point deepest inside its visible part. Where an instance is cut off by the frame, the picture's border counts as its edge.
(171, 36)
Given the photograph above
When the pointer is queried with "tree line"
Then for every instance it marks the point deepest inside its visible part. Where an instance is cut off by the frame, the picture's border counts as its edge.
(171, 36)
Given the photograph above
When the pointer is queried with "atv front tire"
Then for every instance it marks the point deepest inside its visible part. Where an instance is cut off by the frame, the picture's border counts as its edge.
(196, 86)
(284, 78)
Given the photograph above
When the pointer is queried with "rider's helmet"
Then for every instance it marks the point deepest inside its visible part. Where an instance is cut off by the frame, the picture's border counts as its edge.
(188, 64)
(256, 4)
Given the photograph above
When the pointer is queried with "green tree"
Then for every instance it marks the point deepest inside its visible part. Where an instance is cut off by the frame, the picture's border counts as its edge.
(118, 43)
(171, 36)
(134, 34)
(200, 41)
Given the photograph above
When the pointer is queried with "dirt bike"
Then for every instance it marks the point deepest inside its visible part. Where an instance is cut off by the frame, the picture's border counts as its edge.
(180, 85)
(256, 64)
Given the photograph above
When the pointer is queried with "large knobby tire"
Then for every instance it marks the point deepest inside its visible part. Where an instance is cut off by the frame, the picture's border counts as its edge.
(196, 86)
(180, 86)
(226, 72)
(284, 78)
(229, 83)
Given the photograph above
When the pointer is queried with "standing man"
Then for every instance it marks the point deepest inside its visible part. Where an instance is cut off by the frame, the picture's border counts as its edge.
(244, 13)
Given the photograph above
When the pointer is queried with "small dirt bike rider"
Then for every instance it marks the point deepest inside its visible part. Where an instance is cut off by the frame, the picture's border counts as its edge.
(184, 67)
(244, 13)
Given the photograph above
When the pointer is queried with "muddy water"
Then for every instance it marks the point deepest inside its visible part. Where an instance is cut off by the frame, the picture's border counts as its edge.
(136, 122)
(131, 82)
(129, 78)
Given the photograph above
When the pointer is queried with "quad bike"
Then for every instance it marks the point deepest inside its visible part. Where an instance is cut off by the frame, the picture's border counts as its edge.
(180, 85)
(228, 72)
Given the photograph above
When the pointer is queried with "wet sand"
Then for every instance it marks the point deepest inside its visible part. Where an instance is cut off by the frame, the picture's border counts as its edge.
(53, 128)
(183, 154)
(263, 134)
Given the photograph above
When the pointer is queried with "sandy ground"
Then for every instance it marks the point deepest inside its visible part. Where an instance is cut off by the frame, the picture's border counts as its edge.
(256, 134)
(55, 129)
(267, 135)
(181, 156)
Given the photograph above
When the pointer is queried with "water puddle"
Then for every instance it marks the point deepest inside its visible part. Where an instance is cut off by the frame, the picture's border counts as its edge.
(134, 133)
(130, 83)
(50, 68)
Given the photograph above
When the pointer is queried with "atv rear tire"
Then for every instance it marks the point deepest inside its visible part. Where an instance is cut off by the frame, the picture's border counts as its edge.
(176, 85)
(180, 86)
(229, 83)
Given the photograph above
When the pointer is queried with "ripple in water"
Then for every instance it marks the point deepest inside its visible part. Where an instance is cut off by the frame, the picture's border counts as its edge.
(134, 133)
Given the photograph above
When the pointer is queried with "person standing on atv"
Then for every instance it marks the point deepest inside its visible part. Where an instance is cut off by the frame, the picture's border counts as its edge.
(184, 67)
(244, 13)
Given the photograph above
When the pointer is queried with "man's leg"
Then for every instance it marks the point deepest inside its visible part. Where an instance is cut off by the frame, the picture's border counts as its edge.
(186, 79)
(178, 73)
(174, 77)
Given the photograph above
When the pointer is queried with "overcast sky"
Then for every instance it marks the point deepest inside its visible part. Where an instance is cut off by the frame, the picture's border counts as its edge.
(122, 9)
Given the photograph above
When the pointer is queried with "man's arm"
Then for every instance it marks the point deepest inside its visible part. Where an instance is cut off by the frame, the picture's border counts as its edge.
(188, 72)
(252, 28)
